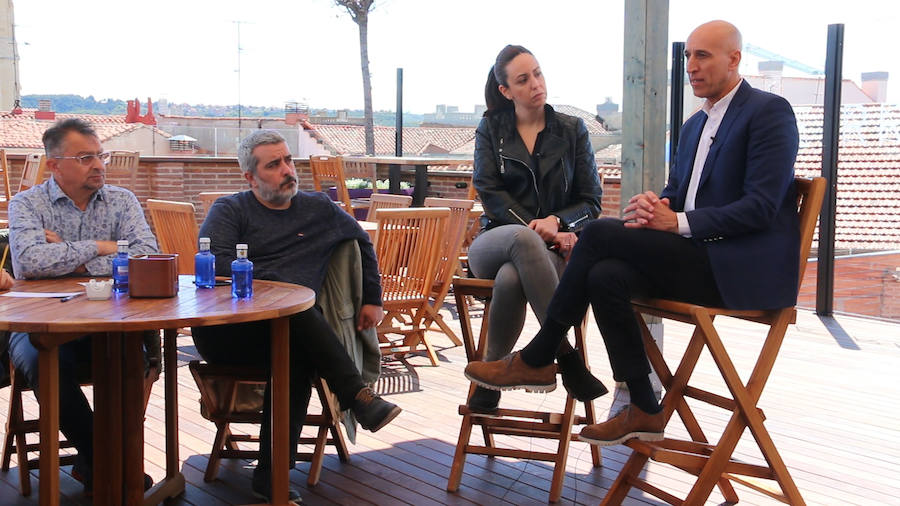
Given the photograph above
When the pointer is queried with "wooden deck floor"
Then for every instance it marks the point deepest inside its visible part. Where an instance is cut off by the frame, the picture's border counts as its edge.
(831, 405)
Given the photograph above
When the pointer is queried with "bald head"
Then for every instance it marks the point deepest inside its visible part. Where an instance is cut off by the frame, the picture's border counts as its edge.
(713, 52)
(726, 34)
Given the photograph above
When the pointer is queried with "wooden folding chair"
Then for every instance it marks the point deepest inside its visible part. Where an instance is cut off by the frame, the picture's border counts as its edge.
(222, 390)
(331, 169)
(713, 464)
(209, 198)
(176, 230)
(408, 248)
(386, 201)
(124, 162)
(514, 422)
(448, 265)
(33, 173)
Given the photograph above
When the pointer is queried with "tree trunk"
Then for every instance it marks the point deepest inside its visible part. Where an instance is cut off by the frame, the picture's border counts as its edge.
(363, 22)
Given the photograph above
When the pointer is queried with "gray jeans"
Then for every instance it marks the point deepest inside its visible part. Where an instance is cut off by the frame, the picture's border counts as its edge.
(524, 271)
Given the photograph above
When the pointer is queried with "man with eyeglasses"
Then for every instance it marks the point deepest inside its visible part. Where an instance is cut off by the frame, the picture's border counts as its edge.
(66, 226)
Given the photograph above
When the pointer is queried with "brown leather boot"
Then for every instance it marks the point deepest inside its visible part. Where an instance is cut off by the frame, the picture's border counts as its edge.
(510, 373)
(630, 422)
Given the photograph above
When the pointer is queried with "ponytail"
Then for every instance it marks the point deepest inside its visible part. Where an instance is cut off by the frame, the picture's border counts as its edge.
(493, 99)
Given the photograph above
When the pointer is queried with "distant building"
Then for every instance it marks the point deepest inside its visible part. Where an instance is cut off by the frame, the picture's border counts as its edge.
(449, 115)
(22, 132)
(341, 117)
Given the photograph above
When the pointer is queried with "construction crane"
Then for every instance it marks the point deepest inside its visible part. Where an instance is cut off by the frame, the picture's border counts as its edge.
(764, 53)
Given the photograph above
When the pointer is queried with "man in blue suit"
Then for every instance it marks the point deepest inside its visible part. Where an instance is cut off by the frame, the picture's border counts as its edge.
(724, 232)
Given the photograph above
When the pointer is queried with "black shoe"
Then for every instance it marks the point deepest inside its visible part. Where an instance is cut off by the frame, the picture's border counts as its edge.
(262, 487)
(373, 412)
(578, 380)
(484, 401)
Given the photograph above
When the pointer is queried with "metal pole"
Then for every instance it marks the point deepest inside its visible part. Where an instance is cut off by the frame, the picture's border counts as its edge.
(830, 136)
(398, 135)
(676, 102)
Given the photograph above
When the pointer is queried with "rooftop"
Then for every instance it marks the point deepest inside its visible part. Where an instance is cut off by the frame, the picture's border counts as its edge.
(827, 405)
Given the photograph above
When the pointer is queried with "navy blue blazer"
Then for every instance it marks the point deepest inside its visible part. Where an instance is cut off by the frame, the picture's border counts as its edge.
(746, 204)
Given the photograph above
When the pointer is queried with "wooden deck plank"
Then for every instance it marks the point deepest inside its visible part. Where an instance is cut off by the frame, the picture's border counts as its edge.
(830, 406)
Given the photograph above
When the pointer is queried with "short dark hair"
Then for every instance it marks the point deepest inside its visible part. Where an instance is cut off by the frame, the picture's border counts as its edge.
(494, 100)
(53, 137)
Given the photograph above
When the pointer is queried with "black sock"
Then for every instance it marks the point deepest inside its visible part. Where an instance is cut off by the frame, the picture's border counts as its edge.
(642, 394)
(541, 350)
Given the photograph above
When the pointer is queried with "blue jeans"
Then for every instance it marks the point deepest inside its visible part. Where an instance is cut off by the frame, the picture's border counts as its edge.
(76, 420)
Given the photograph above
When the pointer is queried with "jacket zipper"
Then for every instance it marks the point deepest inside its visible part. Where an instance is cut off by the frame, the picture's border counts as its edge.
(503, 159)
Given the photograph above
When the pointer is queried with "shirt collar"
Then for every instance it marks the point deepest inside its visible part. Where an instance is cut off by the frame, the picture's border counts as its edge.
(722, 104)
(57, 193)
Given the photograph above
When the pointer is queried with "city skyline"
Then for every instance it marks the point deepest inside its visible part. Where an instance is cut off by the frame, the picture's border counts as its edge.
(187, 52)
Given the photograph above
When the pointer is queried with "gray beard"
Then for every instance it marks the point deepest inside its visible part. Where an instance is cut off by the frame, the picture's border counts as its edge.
(275, 195)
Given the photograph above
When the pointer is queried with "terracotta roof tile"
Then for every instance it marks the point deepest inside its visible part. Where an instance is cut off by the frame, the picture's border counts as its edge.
(350, 139)
(23, 131)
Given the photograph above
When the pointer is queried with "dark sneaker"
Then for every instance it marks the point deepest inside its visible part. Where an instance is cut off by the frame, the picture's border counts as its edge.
(484, 401)
(578, 380)
(262, 488)
(373, 412)
(630, 422)
(511, 373)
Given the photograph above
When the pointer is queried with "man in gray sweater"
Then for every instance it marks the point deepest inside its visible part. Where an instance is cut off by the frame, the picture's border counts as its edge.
(290, 235)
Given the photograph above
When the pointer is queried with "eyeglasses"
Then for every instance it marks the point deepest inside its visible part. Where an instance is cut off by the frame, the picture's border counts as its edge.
(86, 159)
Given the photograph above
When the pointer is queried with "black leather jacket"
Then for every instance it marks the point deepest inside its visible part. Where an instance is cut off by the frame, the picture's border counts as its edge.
(513, 190)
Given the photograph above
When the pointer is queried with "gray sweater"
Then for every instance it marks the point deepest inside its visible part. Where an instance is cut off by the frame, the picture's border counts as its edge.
(291, 245)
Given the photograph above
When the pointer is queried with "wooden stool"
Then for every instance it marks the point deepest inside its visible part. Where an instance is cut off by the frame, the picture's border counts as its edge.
(712, 463)
(514, 422)
(219, 406)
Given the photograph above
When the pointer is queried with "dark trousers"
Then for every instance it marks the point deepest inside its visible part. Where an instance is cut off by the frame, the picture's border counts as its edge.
(610, 266)
(314, 350)
(76, 420)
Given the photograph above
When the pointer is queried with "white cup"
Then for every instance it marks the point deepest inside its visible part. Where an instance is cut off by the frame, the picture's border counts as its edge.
(99, 290)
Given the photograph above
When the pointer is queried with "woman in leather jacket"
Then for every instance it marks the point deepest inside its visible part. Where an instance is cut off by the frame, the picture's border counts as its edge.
(536, 176)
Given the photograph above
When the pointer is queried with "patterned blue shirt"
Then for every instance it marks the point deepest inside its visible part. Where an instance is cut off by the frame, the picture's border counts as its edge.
(112, 214)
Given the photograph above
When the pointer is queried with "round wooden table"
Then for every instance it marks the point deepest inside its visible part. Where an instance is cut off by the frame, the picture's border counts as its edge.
(118, 373)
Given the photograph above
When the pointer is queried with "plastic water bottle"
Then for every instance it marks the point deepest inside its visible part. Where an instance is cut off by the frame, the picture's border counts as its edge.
(242, 274)
(204, 266)
(120, 268)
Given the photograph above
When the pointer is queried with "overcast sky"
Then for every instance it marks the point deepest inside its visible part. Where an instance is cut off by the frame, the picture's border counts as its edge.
(308, 50)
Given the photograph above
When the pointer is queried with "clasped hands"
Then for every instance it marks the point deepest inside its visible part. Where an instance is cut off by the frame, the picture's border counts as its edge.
(548, 229)
(647, 210)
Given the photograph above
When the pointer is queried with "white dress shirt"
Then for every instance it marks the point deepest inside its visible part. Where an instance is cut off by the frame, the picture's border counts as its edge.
(715, 113)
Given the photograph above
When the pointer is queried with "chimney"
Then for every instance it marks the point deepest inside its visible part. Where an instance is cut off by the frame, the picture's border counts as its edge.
(45, 110)
(771, 72)
(874, 84)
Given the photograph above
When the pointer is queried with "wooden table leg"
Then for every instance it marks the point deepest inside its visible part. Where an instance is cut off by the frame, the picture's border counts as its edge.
(103, 364)
(133, 416)
(280, 409)
(48, 378)
(173, 484)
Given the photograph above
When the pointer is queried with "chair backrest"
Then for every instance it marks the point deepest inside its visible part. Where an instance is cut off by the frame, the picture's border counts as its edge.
(5, 194)
(451, 242)
(386, 201)
(408, 246)
(362, 170)
(176, 230)
(810, 194)
(208, 198)
(330, 168)
(124, 162)
(33, 173)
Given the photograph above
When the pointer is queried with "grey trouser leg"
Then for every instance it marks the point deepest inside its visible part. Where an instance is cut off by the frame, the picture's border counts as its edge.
(524, 271)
